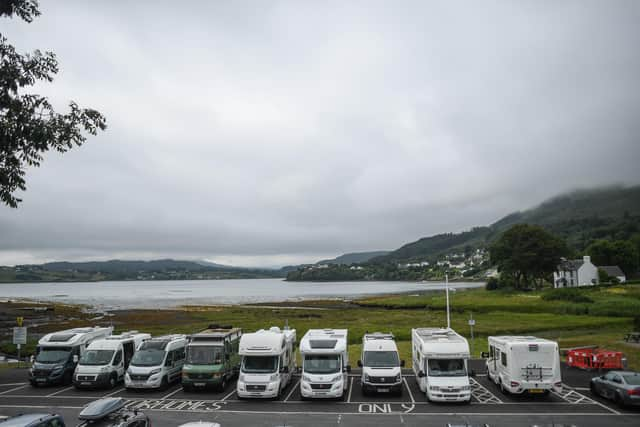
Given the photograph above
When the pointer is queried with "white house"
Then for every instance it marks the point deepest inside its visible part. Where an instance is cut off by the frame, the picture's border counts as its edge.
(575, 272)
(614, 271)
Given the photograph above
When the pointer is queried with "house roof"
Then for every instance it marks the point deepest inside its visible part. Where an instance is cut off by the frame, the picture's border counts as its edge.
(570, 264)
(612, 270)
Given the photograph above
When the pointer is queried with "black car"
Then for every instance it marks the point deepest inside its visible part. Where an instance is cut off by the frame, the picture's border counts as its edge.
(34, 420)
(623, 387)
(111, 412)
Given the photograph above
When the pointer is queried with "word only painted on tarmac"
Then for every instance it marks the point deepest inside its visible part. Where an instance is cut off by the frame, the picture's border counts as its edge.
(175, 405)
(385, 408)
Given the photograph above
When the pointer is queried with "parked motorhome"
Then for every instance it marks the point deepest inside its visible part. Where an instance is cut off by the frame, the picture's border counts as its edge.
(106, 360)
(268, 361)
(440, 363)
(58, 353)
(157, 363)
(212, 358)
(524, 364)
(381, 364)
(325, 363)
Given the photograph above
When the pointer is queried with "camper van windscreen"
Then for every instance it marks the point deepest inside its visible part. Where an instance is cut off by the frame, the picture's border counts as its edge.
(446, 368)
(322, 344)
(61, 337)
(53, 354)
(205, 355)
(319, 364)
(96, 357)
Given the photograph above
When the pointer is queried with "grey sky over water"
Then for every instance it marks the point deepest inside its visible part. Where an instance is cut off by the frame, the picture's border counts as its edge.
(266, 133)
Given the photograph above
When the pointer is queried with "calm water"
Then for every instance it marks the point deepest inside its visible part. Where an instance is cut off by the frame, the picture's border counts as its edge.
(163, 294)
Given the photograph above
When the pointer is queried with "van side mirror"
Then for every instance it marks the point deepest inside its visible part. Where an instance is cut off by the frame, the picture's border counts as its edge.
(284, 370)
(402, 363)
(32, 358)
(348, 368)
(75, 358)
(359, 363)
(421, 374)
(484, 355)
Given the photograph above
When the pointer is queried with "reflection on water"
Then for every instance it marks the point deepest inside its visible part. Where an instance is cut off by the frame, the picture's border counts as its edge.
(163, 294)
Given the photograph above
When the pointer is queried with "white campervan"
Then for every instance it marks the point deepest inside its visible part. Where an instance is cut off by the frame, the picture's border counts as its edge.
(58, 353)
(524, 364)
(268, 361)
(105, 361)
(381, 364)
(325, 363)
(157, 363)
(440, 363)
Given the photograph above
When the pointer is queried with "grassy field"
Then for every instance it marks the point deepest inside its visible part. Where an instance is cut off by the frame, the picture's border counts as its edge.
(495, 313)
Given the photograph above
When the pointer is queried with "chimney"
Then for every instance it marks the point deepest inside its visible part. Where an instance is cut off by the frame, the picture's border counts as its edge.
(587, 259)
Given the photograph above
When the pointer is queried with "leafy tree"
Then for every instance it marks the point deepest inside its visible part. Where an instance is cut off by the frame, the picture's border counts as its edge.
(29, 126)
(622, 253)
(527, 254)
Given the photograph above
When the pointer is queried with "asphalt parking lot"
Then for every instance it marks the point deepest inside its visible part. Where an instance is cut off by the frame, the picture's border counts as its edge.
(173, 406)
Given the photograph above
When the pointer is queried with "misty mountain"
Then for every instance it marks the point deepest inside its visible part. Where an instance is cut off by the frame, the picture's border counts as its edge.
(579, 217)
(354, 257)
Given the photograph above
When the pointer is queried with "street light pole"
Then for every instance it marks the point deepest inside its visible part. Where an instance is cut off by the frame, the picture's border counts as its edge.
(446, 287)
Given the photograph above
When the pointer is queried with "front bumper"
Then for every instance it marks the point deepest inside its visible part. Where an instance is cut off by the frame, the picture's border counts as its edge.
(46, 378)
(336, 390)
(382, 388)
(154, 381)
(202, 382)
(91, 380)
(246, 390)
(444, 396)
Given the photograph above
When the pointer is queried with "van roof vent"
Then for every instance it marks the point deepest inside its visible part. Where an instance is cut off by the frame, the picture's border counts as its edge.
(61, 337)
(325, 344)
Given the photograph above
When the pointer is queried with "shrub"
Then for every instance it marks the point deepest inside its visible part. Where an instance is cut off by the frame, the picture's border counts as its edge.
(567, 294)
(492, 284)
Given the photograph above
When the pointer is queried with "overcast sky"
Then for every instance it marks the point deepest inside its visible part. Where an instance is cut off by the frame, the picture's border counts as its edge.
(273, 132)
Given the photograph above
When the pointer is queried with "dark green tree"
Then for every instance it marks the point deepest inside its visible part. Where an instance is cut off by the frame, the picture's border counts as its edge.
(527, 254)
(29, 126)
(622, 253)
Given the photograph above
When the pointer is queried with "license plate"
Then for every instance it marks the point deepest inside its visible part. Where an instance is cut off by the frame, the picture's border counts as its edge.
(85, 383)
(41, 380)
(536, 390)
(382, 390)
(199, 384)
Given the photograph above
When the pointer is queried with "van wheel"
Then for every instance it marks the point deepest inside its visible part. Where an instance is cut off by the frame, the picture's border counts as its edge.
(592, 387)
(67, 378)
(164, 384)
(503, 389)
(223, 384)
(112, 381)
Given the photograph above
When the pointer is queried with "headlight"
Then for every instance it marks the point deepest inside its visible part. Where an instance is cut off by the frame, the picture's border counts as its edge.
(129, 371)
(434, 388)
(466, 387)
(306, 378)
(274, 377)
(57, 369)
(366, 377)
(336, 378)
(104, 369)
(216, 375)
(398, 377)
(241, 377)
(155, 371)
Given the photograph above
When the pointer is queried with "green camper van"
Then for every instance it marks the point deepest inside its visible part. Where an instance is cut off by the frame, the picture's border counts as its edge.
(212, 358)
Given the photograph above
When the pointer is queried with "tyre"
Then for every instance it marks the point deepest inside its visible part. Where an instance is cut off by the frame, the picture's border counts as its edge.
(113, 380)
(164, 384)
(67, 378)
(223, 384)
(593, 389)
(620, 401)
(503, 389)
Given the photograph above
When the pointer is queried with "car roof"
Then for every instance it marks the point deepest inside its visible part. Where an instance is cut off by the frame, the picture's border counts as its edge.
(25, 420)
(624, 372)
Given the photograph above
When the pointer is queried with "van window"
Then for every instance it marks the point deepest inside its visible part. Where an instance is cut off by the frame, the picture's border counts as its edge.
(504, 359)
(118, 358)
(492, 351)
(179, 354)
(169, 360)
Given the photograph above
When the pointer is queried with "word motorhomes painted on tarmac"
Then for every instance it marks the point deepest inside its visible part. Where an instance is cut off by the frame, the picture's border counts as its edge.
(175, 405)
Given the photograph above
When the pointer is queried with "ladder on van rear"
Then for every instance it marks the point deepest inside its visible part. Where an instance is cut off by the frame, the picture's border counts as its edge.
(535, 373)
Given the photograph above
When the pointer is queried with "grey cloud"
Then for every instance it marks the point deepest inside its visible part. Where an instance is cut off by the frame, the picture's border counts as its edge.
(278, 131)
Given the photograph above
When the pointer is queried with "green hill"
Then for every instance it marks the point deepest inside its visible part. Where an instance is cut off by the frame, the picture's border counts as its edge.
(354, 257)
(578, 217)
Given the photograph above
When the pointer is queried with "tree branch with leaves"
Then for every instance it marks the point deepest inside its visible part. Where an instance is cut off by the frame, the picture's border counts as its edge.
(29, 125)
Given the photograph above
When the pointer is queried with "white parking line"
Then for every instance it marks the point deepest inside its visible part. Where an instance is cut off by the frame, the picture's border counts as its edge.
(350, 389)
(229, 395)
(482, 394)
(10, 384)
(171, 394)
(292, 390)
(114, 392)
(409, 390)
(13, 389)
(59, 391)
